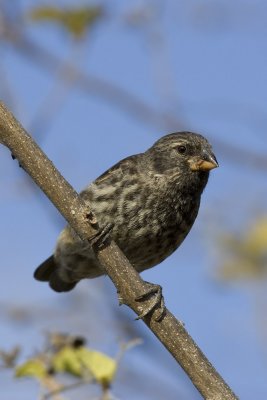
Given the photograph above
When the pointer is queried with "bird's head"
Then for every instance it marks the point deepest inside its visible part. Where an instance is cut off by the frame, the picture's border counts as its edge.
(186, 153)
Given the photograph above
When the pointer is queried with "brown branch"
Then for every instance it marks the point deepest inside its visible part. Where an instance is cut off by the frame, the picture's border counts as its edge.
(129, 284)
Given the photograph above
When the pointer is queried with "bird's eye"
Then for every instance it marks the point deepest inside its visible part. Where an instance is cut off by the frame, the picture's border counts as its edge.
(181, 149)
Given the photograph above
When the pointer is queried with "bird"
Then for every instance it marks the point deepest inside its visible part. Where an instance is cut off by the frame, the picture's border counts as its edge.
(149, 201)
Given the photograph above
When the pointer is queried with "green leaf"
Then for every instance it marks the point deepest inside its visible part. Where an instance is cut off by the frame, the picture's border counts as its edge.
(75, 20)
(34, 368)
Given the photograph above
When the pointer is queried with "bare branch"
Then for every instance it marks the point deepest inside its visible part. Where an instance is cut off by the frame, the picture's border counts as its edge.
(129, 284)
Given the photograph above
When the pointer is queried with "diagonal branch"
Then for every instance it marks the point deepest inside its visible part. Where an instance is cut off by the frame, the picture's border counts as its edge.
(129, 284)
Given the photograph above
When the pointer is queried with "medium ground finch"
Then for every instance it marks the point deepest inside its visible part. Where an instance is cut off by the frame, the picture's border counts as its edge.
(151, 200)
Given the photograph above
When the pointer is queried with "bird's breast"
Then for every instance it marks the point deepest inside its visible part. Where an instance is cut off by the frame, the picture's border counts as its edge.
(156, 230)
(150, 217)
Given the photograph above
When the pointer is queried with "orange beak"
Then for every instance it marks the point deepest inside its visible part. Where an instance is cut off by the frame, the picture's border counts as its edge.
(204, 163)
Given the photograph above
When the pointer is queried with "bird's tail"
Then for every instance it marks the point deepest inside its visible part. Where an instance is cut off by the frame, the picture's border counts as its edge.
(48, 272)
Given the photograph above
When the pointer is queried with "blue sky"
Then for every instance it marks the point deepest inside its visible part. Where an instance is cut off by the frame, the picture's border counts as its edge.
(208, 69)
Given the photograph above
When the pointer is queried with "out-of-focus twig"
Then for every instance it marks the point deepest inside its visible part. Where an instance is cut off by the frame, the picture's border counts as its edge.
(58, 94)
(54, 387)
(61, 389)
(121, 97)
(9, 358)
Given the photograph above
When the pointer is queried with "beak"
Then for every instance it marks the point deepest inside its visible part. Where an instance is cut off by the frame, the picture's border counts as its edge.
(206, 162)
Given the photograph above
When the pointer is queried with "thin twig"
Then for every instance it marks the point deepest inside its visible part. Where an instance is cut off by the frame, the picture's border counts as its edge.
(120, 97)
(54, 387)
(65, 388)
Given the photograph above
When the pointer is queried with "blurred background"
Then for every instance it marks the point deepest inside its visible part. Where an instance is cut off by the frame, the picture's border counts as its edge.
(94, 82)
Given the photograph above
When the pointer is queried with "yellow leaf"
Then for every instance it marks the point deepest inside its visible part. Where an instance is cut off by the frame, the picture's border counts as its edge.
(82, 362)
(257, 236)
(46, 14)
(245, 254)
(33, 367)
(66, 360)
(101, 366)
(75, 20)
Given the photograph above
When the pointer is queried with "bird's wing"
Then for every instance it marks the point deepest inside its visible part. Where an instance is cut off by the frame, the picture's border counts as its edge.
(119, 172)
(128, 165)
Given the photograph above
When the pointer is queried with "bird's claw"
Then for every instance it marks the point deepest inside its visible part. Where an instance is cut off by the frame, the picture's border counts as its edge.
(154, 301)
(98, 241)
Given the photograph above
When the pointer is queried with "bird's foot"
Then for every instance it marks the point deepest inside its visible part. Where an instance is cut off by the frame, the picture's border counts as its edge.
(154, 301)
(99, 240)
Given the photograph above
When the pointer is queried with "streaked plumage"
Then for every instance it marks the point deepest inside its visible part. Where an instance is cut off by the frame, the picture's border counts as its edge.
(152, 200)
